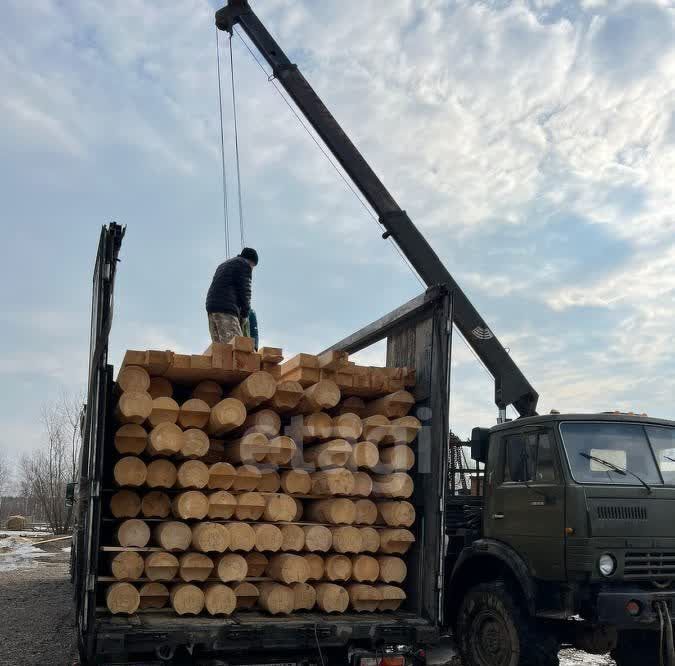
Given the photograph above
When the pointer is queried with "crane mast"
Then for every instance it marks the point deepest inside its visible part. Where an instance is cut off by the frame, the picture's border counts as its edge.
(511, 386)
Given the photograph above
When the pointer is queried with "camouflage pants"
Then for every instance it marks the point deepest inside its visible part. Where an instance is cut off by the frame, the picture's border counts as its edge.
(223, 327)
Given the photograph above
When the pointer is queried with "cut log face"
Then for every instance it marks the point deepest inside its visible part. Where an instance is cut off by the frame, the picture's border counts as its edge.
(269, 482)
(363, 484)
(396, 514)
(219, 599)
(248, 477)
(276, 599)
(247, 449)
(347, 426)
(154, 595)
(125, 504)
(133, 378)
(160, 387)
(257, 563)
(299, 509)
(279, 507)
(242, 537)
(392, 569)
(161, 474)
(190, 505)
(195, 444)
(286, 568)
(133, 532)
(316, 426)
(365, 569)
(210, 537)
(231, 567)
(364, 598)
(286, 397)
(365, 455)
(164, 410)
(296, 482)
(392, 597)
(173, 535)
(268, 538)
(396, 542)
(366, 512)
(318, 539)
(225, 416)
(131, 439)
(187, 599)
(194, 413)
(127, 565)
(161, 566)
(133, 407)
(222, 505)
(403, 430)
(338, 481)
(334, 453)
(337, 567)
(319, 397)
(155, 504)
(192, 474)
(316, 567)
(351, 405)
(264, 421)
(122, 598)
(257, 388)
(347, 539)
(194, 567)
(331, 598)
(250, 506)
(397, 485)
(293, 538)
(165, 439)
(304, 596)
(370, 539)
(375, 428)
(210, 392)
(336, 511)
(398, 458)
(130, 471)
(221, 476)
(280, 450)
(393, 406)
(247, 595)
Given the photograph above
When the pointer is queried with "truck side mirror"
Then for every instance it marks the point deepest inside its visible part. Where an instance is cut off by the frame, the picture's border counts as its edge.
(480, 444)
(70, 494)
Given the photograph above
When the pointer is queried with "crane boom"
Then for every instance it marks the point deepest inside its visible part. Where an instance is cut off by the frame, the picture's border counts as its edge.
(511, 386)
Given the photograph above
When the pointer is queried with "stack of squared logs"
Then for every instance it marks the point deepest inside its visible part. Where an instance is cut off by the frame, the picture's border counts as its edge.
(242, 481)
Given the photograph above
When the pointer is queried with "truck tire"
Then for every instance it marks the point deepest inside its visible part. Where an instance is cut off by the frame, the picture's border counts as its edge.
(493, 630)
(637, 648)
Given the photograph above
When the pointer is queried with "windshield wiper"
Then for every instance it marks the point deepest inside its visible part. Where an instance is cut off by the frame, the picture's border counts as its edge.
(669, 458)
(616, 468)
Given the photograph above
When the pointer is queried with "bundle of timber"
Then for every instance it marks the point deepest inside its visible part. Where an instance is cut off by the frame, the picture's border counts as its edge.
(242, 481)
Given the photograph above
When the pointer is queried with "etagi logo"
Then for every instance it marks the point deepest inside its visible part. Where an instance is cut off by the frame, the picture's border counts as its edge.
(482, 333)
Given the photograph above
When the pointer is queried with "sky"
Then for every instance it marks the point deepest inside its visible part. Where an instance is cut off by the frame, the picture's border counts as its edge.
(532, 141)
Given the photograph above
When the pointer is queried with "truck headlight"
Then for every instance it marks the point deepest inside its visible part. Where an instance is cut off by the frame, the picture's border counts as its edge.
(606, 564)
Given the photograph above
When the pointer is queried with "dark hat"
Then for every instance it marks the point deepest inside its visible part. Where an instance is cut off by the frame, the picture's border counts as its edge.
(250, 254)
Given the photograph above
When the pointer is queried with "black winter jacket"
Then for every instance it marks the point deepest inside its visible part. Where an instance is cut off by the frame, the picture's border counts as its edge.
(230, 290)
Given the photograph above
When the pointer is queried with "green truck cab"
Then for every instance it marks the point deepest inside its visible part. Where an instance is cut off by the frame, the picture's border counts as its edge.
(572, 541)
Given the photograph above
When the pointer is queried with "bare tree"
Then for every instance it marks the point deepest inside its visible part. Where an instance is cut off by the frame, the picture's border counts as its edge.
(5, 475)
(46, 472)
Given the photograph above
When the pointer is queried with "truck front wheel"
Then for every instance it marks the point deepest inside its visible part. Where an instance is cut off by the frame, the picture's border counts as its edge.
(492, 630)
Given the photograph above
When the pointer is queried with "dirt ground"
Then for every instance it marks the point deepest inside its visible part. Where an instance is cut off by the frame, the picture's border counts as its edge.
(37, 617)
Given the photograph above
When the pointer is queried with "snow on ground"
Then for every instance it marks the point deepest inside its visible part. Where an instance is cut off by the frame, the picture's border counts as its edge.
(573, 657)
(19, 553)
(66, 550)
(25, 533)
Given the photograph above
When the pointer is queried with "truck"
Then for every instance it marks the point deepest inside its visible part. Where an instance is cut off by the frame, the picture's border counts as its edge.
(566, 539)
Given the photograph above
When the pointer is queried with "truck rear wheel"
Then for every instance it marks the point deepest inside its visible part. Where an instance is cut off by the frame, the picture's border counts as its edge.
(492, 630)
(637, 648)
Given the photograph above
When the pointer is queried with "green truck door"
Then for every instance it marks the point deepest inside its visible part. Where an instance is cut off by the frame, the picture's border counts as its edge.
(527, 509)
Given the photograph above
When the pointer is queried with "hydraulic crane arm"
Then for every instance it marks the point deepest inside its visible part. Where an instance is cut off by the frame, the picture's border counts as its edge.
(511, 387)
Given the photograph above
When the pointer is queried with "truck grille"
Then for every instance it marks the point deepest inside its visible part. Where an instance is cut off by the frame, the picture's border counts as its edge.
(644, 565)
(622, 513)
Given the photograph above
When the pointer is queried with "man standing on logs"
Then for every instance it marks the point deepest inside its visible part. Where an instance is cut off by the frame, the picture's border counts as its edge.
(228, 301)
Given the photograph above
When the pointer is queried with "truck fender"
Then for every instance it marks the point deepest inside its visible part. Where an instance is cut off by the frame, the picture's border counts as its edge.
(497, 552)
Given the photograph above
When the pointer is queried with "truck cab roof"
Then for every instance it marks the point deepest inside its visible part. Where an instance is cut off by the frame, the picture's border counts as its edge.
(601, 416)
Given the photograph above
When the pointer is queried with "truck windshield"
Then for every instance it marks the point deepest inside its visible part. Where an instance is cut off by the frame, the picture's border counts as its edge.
(604, 452)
